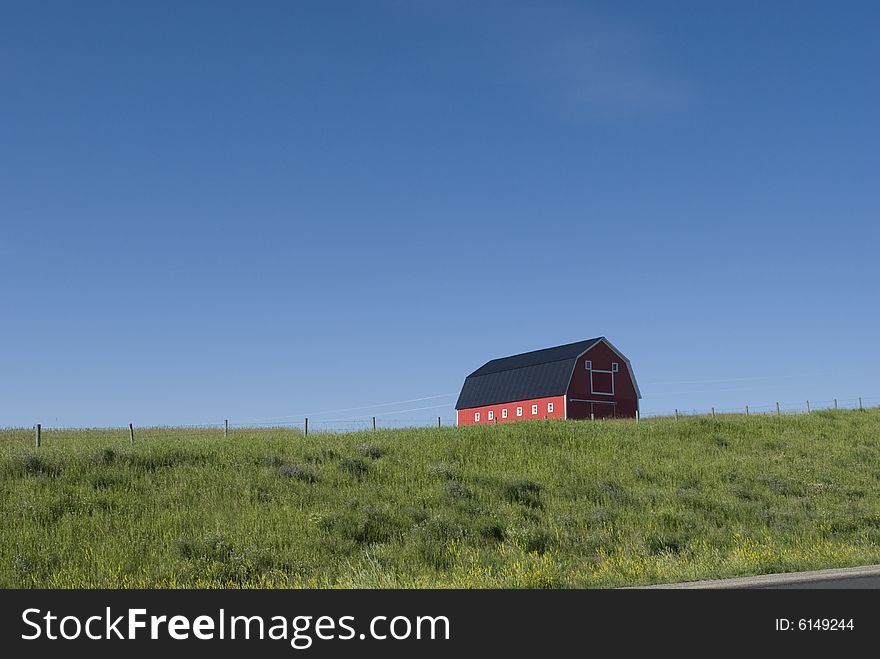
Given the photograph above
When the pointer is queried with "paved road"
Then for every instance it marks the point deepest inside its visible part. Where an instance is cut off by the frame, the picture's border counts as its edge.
(864, 582)
(864, 577)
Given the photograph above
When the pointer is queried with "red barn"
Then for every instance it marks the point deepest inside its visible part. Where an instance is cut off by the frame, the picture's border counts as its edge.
(585, 380)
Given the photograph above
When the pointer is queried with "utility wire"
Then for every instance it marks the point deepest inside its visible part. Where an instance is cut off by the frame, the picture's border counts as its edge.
(350, 409)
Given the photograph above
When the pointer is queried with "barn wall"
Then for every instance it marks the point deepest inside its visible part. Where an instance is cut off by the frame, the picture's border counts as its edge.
(466, 416)
(625, 398)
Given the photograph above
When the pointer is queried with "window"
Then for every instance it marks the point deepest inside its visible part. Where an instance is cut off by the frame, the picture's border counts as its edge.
(519, 411)
(588, 365)
(614, 367)
(504, 413)
(491, 414)
(476, 417)
(549, 407)
(534, 409)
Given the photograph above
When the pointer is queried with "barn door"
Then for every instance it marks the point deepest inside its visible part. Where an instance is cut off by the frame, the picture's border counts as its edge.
(603, 410)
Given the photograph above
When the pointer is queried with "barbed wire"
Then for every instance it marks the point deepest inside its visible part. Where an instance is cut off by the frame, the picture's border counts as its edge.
(301, 415)
(804, 406)
(385, 421)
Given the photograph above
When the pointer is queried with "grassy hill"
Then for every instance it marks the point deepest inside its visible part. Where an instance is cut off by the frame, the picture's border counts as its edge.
(531, 504)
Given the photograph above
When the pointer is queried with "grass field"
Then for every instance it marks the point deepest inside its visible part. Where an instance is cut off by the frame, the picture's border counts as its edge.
(534, 504)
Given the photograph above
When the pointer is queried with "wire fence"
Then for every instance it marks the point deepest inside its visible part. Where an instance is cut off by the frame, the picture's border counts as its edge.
(226, 429)
(308, 426)
(778, 407)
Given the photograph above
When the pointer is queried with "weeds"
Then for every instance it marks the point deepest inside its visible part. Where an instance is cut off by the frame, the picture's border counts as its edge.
(297, 472)
(354, 466)
(525, 492)
(373, 451)
(578, 505)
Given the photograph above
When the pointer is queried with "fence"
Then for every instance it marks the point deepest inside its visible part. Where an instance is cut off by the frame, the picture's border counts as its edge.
(802, 407)
(311, 426)
(227, 429)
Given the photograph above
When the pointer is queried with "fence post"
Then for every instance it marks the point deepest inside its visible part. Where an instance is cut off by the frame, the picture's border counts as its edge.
(747, 410)
(835, 403)
(713, 412)
(592, 416)
(374, 424)
(777, 409)
(37, 429)
(860, 403)
(808, 407)
(131, 432)
(225, 428)
(306, 433)
(637, 416)
(676, 413)
(438, 423)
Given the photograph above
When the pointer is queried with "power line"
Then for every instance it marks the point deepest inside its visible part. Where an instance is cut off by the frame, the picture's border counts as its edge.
(413, 409)
(351, 409)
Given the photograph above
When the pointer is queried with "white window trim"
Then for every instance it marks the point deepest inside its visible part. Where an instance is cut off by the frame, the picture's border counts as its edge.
(476, 417)
(623, 359)
(519, 411)
(614, 367)
(588, 364)
(534, 409)
(549, 408)
(504, 413)
(491, 415)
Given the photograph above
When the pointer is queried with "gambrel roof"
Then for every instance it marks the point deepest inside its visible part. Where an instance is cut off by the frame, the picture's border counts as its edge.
(535, 374)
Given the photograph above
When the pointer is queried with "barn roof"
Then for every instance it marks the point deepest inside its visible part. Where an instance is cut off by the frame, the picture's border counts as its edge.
(535, 374)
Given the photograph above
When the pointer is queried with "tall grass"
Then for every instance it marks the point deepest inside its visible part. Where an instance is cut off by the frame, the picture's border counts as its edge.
(532, 504)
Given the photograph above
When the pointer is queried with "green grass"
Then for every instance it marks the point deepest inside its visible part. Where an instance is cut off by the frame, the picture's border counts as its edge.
(531, 504)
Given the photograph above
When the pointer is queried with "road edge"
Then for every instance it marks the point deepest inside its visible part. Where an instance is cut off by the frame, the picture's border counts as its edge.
(772, 580)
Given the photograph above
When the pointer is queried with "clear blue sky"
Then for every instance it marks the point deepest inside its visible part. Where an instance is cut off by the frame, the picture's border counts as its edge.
(217, 210)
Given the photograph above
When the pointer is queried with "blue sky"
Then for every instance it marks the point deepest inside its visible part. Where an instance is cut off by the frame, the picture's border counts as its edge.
(259, 211)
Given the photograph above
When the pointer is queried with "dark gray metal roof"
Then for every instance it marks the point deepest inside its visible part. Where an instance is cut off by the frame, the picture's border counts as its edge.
(533, 374)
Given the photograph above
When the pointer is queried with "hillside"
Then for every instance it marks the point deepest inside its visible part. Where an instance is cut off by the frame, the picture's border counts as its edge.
(532, 504)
